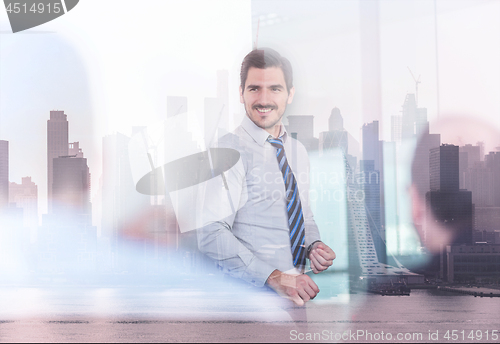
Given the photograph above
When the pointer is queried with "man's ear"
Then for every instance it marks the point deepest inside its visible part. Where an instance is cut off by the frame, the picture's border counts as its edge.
(242, 101)
(290, 95)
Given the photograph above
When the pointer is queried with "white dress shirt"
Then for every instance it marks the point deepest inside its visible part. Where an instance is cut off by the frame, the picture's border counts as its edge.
(255, 241)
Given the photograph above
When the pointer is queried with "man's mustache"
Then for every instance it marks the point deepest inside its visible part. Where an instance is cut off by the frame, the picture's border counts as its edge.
(261, 106)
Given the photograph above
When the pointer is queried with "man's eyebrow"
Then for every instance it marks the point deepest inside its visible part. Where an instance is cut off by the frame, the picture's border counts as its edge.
(277, 86)
(253, 86)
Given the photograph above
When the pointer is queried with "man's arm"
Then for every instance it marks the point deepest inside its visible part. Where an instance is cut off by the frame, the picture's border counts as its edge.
(217, 241)
(298, 288)
(216, 238)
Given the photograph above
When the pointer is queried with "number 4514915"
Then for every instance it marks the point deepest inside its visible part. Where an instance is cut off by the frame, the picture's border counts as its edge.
(472, 335)
(19, 7)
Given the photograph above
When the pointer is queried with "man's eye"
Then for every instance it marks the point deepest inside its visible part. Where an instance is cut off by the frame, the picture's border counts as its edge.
(276, 89)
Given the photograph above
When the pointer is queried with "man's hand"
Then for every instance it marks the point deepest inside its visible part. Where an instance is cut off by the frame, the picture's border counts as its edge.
(321, 257)
(298, 288)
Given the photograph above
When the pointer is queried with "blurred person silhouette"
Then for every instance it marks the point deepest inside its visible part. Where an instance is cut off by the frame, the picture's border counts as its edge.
(443, 191)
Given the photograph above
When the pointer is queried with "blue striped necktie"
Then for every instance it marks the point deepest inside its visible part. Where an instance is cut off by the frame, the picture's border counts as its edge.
(294, 207)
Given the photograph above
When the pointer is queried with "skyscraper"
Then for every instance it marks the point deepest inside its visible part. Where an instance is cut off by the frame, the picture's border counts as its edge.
(303, 126)
(57, 145)
(493, 164)
(414, 119)
(371, 146)
(448, 207)
(473, 154)
(451, 207)
(371, 186)
(335, 122)
(475, 176)
(25, 196)
(336, 136)
(444, 168)
(4, 174)
(396, 127)
(421, 159)
(71, 186)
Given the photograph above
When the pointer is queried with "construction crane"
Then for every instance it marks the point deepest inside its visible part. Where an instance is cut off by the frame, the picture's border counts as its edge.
(417, 81)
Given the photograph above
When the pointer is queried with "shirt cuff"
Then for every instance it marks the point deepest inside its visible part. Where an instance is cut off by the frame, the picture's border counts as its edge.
(257, 272)
(312, 237)
(309, 248)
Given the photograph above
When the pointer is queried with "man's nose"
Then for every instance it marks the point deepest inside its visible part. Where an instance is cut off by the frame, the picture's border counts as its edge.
(264, 97)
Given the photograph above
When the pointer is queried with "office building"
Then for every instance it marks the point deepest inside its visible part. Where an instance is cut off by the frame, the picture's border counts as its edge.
(4, 174)
(479, 180)
(396, 128)
(450, 207)
(493, 164)
(336, 136)
(303, 126)
(470, 164)
(420, 174)
(473, 264)
(371, 145)
(414, 119)
(363, 256)
(487, 218)
(57, 145)
(370, 184)
(473, 154)
(25, 196)
(335, 121)
(71, 186)
(444, 168)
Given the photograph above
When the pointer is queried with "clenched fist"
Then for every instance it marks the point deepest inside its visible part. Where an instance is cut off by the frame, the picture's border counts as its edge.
(298, 288)
(321, 257)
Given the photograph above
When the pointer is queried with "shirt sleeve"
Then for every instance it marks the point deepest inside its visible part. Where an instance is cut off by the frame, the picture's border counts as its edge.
(217, 241)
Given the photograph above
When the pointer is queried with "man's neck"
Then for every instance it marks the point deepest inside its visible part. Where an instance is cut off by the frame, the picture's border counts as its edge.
(275, 130)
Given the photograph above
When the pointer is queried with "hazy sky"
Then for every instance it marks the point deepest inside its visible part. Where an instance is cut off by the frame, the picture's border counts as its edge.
(322, 39)
(111, 64)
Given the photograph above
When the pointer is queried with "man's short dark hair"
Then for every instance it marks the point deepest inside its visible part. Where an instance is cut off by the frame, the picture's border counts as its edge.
(264, 58)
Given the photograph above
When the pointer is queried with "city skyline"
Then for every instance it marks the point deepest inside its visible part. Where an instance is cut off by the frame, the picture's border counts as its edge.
(297, 125)
(371, 135)
(81, 94)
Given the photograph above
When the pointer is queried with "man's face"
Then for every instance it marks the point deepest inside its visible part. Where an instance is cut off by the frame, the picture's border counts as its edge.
(265, 97)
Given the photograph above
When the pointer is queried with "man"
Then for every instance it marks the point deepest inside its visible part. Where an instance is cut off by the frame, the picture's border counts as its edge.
(267, 240)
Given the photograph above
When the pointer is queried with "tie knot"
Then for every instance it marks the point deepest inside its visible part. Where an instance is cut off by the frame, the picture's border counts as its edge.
(277, 143)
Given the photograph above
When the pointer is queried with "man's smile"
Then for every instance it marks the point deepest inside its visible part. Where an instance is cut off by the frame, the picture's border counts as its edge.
(264, 109)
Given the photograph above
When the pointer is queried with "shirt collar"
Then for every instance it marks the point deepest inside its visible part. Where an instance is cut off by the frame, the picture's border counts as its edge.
(259, 135)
